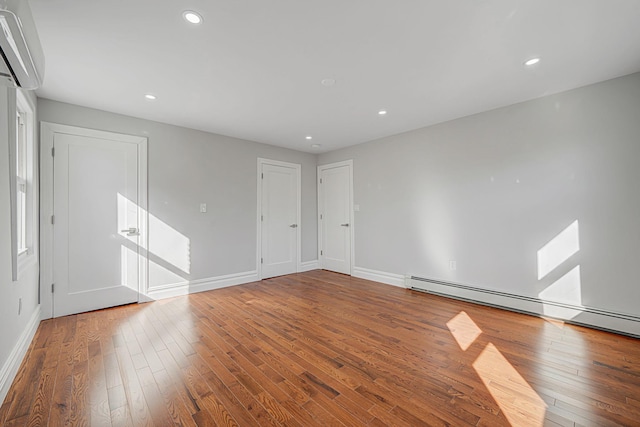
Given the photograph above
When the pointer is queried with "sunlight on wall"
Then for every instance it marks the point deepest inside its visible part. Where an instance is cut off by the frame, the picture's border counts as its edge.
(464, 330)
(565, 290)
(520, 403)
(169, 252)
(558, 250)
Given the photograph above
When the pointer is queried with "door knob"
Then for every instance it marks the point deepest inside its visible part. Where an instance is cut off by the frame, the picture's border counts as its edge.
(344, 225)
(294, 226)
(132, 231)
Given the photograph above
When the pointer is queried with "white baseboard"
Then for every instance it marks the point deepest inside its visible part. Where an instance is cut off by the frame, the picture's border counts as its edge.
(379, 276)
(10, 367)
(587, 316)
(201, 285)
(309, 265)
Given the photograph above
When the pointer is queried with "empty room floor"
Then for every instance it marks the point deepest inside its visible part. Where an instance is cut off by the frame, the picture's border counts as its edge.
(321, 348)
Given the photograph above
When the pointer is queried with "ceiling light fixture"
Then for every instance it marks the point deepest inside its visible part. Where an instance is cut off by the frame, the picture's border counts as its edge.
(382, 112)
(150, 97)
(316, 145)
(192, 17)
(532, 61)
(328, 82)
(308, 137)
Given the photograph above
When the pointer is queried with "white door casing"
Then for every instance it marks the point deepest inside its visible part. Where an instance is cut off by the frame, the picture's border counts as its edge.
(97, 195)
(279, 230)
(335, 219)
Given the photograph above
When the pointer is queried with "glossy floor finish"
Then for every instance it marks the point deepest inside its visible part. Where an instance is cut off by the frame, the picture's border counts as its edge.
(321, 349)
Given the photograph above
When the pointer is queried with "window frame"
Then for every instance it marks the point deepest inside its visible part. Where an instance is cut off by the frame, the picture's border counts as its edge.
(24, 185)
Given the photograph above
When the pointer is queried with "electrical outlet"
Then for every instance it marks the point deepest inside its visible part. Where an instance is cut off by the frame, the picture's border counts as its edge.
(203, 207)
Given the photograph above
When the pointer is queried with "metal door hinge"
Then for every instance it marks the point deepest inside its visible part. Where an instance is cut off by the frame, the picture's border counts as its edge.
(261, 261)
(320, 216)
(53, 286)
(53, 219)
(320, 180)
(261, 217)
(262, 176)
(53, 151)
(320, 252)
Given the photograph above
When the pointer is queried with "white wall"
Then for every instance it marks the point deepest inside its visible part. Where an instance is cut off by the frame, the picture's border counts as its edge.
(189, 167)
(16, 329)
(490, 190)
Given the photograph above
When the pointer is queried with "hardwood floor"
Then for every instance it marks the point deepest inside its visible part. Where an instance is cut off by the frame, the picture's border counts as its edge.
(321, 349)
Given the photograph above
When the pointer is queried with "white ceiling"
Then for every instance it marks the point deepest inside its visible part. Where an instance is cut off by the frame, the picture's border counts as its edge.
(253, 68)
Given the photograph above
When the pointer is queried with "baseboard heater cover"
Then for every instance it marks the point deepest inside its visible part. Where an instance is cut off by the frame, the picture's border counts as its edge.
(610, 321)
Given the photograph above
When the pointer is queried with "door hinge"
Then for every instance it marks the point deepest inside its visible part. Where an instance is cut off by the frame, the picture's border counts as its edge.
(53, 151)
(320, 216)
(53, 286)
(53, 219)
(320, 252)
(320, 180)
(261, 218)
(262, 176)
(261, 260)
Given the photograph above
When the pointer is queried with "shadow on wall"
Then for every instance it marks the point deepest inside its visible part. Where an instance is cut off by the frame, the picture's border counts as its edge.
(169, 252)
(553, 259)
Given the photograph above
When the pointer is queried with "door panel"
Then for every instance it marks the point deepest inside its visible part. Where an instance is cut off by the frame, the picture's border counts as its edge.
(280, 226)
(335, 200)
(95, 198)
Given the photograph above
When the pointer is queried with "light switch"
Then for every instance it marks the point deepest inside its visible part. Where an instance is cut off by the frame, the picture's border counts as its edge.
(203, 207)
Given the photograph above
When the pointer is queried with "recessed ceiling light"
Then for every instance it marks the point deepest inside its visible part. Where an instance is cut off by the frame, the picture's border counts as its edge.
(316, 145)
(150, 97)
(192, 17)
(309, 137)
(328, 82)
(532, 61)
(382, 112)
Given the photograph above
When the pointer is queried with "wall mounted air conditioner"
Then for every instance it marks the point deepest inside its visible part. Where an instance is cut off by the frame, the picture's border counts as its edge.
(22, 59)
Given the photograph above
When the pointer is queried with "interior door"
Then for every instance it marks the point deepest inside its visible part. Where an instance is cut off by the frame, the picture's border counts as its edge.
(335, 218)
(96, 222)
(280, 226)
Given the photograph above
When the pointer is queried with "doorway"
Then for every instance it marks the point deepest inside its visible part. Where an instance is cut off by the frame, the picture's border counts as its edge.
(93, 219)
(279, 231)
(335, 219)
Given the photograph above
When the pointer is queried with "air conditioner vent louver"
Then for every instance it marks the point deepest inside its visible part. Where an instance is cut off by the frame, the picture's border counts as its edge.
(21, 56)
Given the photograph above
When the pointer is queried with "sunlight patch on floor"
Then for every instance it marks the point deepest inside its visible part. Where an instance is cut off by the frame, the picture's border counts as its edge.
(519, 402)
(464, 330)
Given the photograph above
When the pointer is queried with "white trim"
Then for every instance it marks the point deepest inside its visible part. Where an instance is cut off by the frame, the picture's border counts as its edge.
(10, 368)
(298, 169)
(593, 317)
(379, 276)
(309, 265)
(321, 168)
(200, 285)
(47, 132)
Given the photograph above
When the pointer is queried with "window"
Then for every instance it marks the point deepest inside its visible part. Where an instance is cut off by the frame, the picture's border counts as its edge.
(21, 182)
(24, 188)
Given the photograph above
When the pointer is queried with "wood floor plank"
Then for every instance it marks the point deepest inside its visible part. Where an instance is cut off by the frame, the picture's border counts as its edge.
(321, 349)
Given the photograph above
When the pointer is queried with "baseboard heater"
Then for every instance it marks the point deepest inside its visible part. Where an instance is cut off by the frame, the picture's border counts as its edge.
(610, 321)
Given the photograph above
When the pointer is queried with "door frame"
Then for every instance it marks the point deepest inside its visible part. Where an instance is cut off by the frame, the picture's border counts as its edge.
(298, 169)
(47, 132)
(322, 168)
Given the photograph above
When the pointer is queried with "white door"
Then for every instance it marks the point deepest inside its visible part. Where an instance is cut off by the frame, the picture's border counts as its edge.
(335, 217)
(96, 227)
(279, 218)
